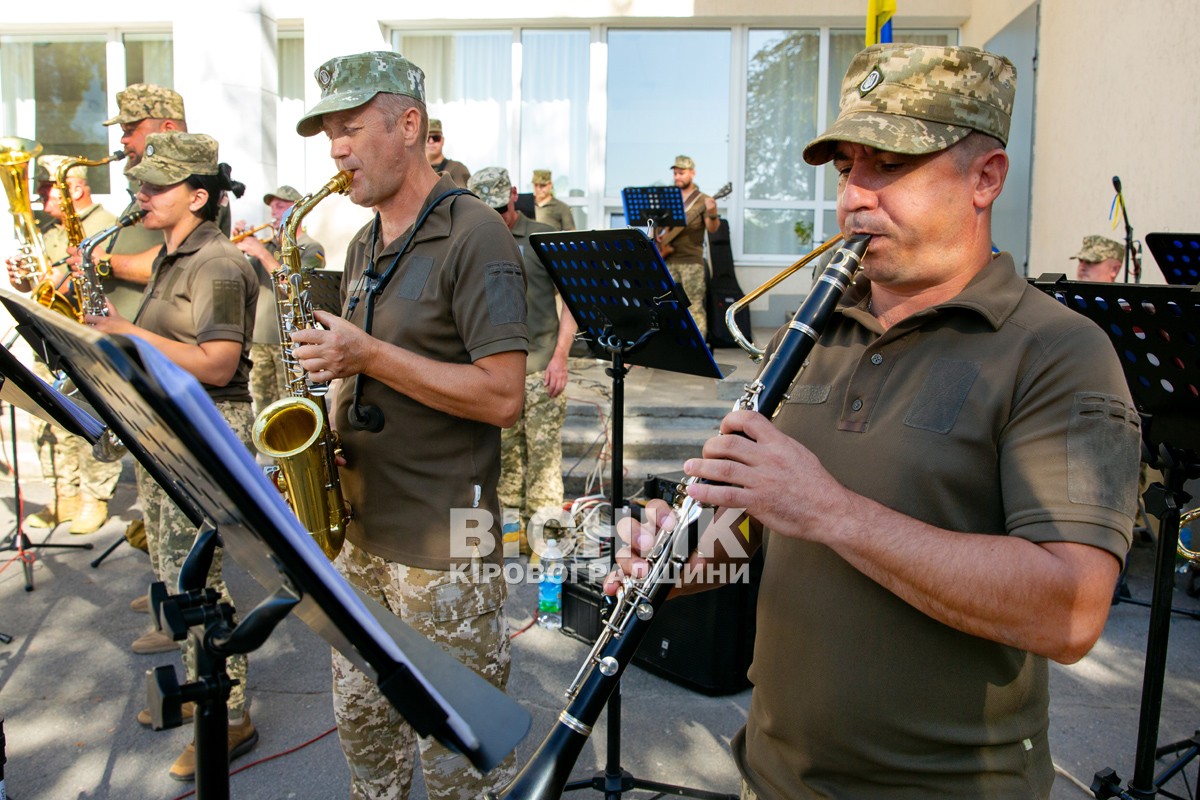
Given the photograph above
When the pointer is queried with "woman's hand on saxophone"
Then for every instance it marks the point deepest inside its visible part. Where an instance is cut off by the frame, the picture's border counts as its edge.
(113, 322)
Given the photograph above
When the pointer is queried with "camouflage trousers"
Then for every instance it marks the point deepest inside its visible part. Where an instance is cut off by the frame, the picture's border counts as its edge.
(170, 534)
(267, 383)
(747, 792)
(467, 621)
(692, 278)
(531, 454)
(69, 466)
(67, 461)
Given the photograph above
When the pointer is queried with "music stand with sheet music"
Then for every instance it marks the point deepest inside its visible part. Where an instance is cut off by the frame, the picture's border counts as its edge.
(1153, 331)
(654, 206)
(172, 427)
(626, 305)
(1177, 255)
(21, 388)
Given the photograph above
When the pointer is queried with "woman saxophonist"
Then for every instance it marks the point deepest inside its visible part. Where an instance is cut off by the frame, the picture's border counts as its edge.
(198, 309)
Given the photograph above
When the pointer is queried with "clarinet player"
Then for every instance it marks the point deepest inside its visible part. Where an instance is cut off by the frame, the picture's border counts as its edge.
(948, 495)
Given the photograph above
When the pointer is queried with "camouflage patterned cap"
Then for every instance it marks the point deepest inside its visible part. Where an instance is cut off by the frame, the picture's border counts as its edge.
(492, 186)
(350, 81)
(683, 162)
(435, 126)
(284, 192)
(141, 101)
(915, 99)
(1098, 248)
(174, 156)
(541, 176)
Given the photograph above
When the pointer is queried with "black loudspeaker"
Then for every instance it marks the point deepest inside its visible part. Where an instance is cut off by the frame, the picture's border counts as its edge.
(703, 641)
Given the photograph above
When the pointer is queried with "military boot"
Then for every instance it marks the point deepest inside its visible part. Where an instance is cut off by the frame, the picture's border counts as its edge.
(93, 513)
(62, 510)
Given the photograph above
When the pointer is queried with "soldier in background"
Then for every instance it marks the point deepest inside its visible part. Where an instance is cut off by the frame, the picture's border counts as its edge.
(268, 382)
(434, 142)
(82, 485)
(683, 248)
(550, 210)
(531, 450)
(1100, 259)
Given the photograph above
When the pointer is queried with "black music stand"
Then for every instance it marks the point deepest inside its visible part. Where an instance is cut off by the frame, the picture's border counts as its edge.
(1177, 255)
(21, 388)
(1152, 330)
(171, 426)
(650, 206)
(324, 290)
(628, 308)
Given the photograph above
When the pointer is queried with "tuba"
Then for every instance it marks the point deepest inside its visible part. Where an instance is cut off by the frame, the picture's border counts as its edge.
(15, 155)
(73, 227)
(545, 774)
(295, 430)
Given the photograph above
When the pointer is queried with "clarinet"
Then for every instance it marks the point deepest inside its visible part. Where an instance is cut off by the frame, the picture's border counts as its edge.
(545, 775)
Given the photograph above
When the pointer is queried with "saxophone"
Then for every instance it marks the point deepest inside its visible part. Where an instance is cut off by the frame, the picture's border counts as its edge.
(545, 774)
(295, 429)
(73, 227)
(88, 290)
(15, 155)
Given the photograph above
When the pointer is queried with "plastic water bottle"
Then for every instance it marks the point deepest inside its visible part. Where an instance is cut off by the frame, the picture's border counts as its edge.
(550, 587)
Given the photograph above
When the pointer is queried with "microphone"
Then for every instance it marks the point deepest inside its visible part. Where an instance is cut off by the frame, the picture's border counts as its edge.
(1117, 183)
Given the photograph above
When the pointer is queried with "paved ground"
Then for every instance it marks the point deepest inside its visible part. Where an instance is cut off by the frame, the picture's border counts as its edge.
(70, 687)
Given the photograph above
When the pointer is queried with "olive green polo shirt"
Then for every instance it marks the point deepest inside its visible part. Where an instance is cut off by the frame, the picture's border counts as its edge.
(458, 295)
(540, 297)
(205, 291)
(556, 214)
(94, 219)
(689, 245)
(997, 412)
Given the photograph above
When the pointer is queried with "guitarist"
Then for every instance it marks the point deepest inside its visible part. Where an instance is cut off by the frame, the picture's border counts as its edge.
(683, 248)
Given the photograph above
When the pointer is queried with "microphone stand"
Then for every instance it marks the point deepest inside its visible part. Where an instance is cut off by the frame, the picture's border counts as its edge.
(1129, 243)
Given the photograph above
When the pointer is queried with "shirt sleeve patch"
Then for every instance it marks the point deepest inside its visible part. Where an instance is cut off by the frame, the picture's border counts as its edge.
(1104, 448)
(505, 293)
(416, 273)
(942, 395)
(227, 300)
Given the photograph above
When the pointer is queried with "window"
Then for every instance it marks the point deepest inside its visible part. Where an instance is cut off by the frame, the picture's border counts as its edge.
(668, 94)
(469, 87)
(56, 92)
(554, 110)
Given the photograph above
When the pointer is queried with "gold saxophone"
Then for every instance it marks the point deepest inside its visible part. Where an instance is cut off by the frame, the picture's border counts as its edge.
(295, 429)
(73, 227)
(15, 155)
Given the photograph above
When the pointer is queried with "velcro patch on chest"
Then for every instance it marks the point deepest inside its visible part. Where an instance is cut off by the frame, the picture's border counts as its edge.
(946, 387)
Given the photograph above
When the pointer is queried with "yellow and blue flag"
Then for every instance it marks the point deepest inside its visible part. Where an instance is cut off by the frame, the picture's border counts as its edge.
(879, 21)
(1114, 211)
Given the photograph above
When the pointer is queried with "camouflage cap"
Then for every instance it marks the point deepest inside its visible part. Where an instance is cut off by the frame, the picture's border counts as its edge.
(541, 176)
(174, 156)
(1098, 248)
(140, 101)
(284, 192)
(435, 126)
(350, 81)
(915, 99)
(492, 186)
(683, 162)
